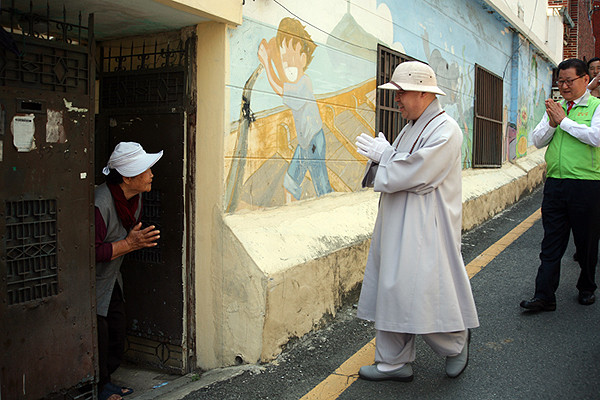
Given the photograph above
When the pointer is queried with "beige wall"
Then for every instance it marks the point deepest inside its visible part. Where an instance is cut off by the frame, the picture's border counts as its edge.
(226, 11)
(212, 66)
(265, 276)
(531, 19)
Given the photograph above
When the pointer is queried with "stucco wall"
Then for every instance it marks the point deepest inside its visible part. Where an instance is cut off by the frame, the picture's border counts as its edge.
(452, 36)
(276, 256)
(297, 264)
(225, 11)
(212, 70)
(288, 268)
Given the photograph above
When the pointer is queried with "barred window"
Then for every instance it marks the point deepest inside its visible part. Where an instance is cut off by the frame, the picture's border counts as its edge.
(389, 121)
(487, 129)
(31, 250)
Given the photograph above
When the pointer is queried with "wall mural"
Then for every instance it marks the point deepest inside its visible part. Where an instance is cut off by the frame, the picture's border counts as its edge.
(304, 147)
(534, 80)
(454, 81)
(285, 59)
(303, 87)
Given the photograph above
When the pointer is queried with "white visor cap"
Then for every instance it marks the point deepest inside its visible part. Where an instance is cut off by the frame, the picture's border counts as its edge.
(413, 76)
(130, 159)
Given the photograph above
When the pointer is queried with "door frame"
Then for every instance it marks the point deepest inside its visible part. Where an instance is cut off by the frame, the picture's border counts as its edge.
(144, 56)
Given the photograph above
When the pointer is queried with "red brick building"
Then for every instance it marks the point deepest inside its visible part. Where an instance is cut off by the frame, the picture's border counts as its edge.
(595, 15)
(579, 41)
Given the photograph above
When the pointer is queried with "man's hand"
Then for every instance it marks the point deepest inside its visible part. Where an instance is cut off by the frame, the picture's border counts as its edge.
(555, 113)
(371, 147)
(594, 83)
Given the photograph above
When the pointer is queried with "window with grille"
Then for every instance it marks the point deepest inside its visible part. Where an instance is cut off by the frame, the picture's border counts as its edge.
(389, 121)
(487, 129)
(31, 250)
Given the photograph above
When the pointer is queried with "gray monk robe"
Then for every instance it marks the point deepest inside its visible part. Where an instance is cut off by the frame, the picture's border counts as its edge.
(415, 279)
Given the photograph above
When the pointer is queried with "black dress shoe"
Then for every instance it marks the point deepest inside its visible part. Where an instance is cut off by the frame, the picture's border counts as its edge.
(586, 298)
(536, 304)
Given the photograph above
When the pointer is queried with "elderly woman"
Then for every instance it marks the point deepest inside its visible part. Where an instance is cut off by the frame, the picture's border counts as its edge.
(118, 232)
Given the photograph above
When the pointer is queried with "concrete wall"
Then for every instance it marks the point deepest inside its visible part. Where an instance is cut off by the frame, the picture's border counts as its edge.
(530, 19)
(486, 193)
(308, 256)
(273, 260)
(286, 269)
(506, 38)
(212, 70)
(225, 11)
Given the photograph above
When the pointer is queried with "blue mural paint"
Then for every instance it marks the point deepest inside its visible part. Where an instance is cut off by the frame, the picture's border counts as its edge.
(451, 35)
(514, 83)
(327, 77)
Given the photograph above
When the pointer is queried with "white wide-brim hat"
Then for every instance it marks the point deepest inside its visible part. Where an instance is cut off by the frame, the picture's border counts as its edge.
(130, 159)
(413, 76)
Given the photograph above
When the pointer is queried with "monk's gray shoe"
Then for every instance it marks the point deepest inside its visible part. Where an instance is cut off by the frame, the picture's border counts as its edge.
(455, 365)
(371, 373)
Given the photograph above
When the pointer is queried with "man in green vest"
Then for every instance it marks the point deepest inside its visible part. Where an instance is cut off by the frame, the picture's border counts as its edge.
(571, 130)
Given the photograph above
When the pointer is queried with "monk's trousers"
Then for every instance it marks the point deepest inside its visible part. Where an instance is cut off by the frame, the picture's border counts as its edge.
(399, 348)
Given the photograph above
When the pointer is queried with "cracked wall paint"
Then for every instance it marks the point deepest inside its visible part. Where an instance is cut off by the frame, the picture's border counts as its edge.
(266, 129)
(69, 106)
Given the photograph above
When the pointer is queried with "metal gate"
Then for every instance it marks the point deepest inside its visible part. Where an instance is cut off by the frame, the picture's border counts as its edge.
(389, 120)
(487, 130)
(144, 98)
(47, 296)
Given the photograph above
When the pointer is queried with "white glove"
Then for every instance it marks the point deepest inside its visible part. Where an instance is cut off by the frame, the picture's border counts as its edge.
(372, 147)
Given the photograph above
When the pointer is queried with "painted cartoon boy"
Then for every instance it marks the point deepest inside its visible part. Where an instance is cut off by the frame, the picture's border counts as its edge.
(285, 59)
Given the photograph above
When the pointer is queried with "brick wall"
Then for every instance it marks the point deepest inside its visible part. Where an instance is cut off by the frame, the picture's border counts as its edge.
(570, 35)
(579, 41)
(585, 36)
(596, 26)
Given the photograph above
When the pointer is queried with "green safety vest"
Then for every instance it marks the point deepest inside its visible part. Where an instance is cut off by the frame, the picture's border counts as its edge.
(568, 157)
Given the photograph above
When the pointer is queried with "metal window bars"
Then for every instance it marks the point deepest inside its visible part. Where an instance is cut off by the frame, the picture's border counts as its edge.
(389, 120)
(34, 24)
(31, 250)
(487, 132)
(132, 58)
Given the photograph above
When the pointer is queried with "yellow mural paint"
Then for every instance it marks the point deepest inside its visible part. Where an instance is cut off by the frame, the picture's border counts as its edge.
(272, 140)
(522, 146)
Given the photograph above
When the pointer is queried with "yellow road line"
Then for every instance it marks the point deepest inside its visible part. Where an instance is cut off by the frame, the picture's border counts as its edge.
(491, 252)
(344, 376)
(347, 373)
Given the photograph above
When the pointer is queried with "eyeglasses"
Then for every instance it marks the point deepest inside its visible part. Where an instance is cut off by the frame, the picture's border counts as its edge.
(568, 82)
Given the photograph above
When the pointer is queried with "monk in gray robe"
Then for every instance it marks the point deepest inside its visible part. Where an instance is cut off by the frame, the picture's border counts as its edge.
(415, 280)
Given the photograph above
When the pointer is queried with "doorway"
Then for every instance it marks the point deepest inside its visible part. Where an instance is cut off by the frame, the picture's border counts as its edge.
(145, 98)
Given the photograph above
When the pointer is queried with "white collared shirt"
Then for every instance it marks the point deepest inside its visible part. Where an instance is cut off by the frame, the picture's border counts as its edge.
(543, 132)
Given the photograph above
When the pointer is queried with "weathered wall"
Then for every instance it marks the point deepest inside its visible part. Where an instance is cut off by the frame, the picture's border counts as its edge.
(452, 36)
(225, 11)
(293, 235)
(487, 193)
(286, 268)
(213, 67)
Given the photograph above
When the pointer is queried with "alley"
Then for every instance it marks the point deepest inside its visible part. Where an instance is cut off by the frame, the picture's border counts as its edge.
(514, 355)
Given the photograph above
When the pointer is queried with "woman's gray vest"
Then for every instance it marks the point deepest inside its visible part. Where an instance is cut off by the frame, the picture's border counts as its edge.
(109, 272)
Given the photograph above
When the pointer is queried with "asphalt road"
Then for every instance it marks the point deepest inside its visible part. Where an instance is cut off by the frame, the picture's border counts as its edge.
(514, 355)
